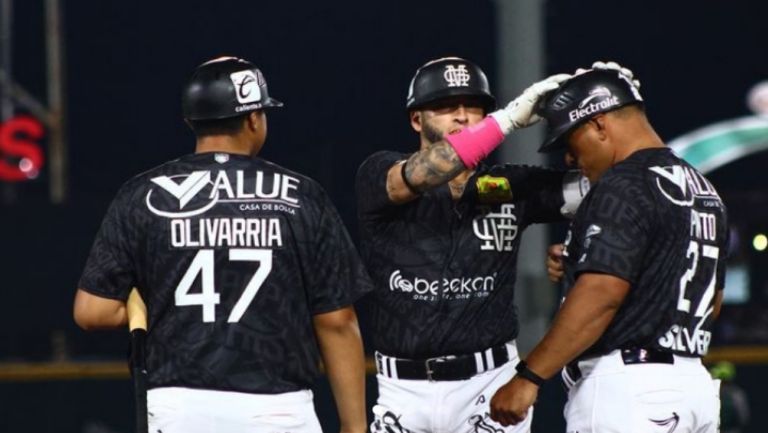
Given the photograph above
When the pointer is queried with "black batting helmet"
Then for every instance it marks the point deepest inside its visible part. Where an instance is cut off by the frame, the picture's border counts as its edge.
(447, 77)
(225, 87)
(581, 98)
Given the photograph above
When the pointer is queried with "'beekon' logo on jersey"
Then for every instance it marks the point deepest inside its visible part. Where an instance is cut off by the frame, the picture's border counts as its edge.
(199, 191)
(456, 76)
(458, 285)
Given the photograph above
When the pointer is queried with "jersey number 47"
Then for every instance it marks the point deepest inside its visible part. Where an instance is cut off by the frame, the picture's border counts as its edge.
(208, 298)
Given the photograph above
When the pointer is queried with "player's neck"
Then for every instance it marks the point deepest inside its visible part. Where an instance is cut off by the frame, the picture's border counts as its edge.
(459, 183)
(642, 137)
(225, 144)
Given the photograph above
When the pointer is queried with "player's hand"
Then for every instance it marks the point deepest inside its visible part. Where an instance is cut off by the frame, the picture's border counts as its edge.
(555, 262)
(613, 66)
(511, 402)
(520, 113)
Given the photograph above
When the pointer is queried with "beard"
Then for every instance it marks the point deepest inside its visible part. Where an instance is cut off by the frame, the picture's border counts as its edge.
(431, 134)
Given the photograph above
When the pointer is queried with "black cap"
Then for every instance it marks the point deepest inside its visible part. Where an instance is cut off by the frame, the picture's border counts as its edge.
(225, 87)
(447, 77)
(581, 98)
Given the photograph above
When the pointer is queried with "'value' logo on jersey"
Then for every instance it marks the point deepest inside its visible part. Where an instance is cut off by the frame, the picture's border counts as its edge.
(187, 189)
(686, 185)
(199, 191)
(497, 230)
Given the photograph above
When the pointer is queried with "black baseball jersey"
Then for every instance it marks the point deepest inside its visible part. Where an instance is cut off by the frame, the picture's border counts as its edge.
(444, 270)
(233, 256)
(656, 222)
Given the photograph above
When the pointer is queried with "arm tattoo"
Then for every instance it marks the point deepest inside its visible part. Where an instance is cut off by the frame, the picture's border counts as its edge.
(432, 166)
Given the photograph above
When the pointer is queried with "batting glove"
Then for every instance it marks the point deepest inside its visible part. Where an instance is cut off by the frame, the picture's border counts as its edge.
(613, 66)
(520, 113)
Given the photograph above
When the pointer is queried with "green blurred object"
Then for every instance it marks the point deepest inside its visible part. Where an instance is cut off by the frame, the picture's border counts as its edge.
(492, 189)
(723, 370)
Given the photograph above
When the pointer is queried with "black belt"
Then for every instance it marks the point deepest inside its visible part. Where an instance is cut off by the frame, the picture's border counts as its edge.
(459, 367)
(630, 357)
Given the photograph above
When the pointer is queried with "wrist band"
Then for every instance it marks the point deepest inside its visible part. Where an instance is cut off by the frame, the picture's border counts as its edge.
(406, 181)
(475, 142)
(527, 374)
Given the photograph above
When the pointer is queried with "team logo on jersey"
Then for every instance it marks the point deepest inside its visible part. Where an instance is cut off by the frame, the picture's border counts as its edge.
(456, 76)
(670, 422)
(497, 230)
(492, 189)
(682, 185)
(481, 424)
(197, 192)
(599, 99)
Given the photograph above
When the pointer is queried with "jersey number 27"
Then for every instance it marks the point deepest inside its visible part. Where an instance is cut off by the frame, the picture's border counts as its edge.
(709, 252)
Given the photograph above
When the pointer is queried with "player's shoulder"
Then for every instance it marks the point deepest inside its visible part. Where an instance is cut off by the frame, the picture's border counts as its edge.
(309, 189)
(525, 180)
(641, 161)
(519, 170)
(385, 155)
(273, 167)
(377, 165)
(138, 182)
(204, 162)
(635, 168)
(632, 179)
(381, 157)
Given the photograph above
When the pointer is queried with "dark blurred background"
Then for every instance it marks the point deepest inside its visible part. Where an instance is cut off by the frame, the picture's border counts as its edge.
(342, 68)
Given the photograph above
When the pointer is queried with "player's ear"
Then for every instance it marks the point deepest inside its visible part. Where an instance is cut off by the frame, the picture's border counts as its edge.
(416, 119)
(254, 120)
(598, 123)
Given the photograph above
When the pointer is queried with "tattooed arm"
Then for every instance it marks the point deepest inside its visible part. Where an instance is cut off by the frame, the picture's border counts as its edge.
(440, 163)
(424, 170)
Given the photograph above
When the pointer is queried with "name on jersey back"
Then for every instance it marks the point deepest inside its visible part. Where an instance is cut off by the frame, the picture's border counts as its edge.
(226, 232)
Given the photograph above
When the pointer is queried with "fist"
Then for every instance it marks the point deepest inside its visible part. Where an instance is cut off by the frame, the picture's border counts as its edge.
(555, 269)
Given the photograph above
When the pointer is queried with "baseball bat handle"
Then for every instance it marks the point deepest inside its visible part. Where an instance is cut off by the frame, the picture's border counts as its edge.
(137, 324)
(139, 374)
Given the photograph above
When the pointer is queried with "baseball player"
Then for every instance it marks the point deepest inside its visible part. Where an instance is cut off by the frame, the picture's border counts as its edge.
(247, 271)
(644, 266)
(440, 237)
